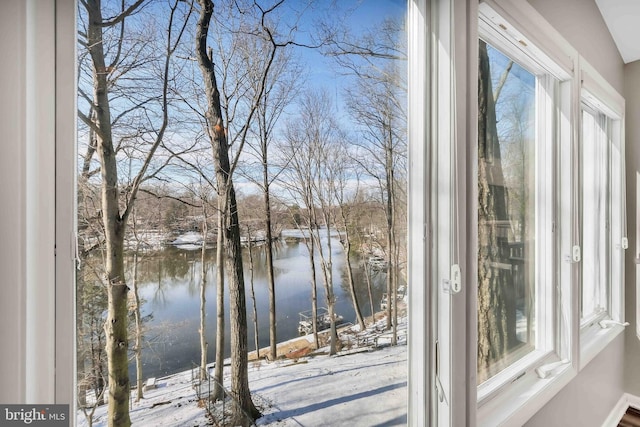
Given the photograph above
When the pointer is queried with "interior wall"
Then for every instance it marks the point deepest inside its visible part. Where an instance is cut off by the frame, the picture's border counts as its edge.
(580, 22)
(12, 230)
(27, 212)
(632, 136)
(589, 398)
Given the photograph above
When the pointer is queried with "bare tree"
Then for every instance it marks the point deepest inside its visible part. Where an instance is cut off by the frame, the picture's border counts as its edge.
(367, 275)
(306, 229)
(198, 195)
(310, 180)
(229, 223)
(107, 65)
(232, 103)
(204, 198)
(322, 187)
(377, 104)
(378, 44)
(137, 348)
(376, 101)
(90, 410)
(363, 233)
(343, 167)
(92, 304)
(256, 336)
(281, 87)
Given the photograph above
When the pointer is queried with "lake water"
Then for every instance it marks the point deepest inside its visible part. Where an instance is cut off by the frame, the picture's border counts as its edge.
(169, 282)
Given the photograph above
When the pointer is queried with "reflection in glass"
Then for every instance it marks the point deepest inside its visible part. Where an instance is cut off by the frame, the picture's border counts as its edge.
(506, 212)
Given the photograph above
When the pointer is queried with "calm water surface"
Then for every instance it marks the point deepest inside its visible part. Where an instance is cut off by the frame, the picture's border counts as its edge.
(169, 285)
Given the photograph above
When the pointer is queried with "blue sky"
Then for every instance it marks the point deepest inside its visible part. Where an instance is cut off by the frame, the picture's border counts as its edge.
(322, 72)
(361, 16)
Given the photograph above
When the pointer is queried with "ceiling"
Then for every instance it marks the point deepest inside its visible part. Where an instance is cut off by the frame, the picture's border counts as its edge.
(623, 19)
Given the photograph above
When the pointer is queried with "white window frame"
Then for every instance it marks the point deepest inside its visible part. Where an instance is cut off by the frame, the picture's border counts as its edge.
(599, 97)
(516, 402)
(545, 300)
(437, 226)
(27, 126)
(39, 42)
(65, 210)
(420, 34)
(420, 378)
(514, 395)
(601, 140)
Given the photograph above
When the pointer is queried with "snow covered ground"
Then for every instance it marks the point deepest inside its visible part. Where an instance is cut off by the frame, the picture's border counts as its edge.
(358, 387)
(172, 403)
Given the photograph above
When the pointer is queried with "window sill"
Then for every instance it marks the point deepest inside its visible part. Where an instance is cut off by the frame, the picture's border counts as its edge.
(522, 399)
(518, 402)
(494, 386)
(594, 339)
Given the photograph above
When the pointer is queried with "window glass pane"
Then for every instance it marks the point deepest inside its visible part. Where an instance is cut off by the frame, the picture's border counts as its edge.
(506, 212)
(594, 295)
(242, 211)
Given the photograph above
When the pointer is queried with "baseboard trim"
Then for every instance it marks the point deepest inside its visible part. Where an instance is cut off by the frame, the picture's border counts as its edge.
(621, 407)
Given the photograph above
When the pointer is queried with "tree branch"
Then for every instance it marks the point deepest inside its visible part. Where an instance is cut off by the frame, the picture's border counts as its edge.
(87, 121)
(177, 199)
(165, 113)
(502, 81)
(119, 18)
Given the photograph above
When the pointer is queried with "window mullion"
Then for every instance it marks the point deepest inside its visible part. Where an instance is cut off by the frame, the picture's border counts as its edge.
(65, 206)
(419, 236)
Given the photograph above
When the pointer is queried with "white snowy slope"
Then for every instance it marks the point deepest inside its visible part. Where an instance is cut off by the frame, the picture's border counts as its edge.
(361, 387)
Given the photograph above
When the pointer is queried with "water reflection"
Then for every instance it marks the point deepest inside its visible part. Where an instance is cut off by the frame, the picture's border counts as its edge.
(169, 281)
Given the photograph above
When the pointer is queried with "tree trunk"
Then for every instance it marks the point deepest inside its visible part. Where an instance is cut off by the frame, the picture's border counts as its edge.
(311, 247)
(226, 194)
(220, 323)
(97, 371)
(204, 374)
(100, 376)
(82, 383)
(391, 240)
(253, 296)
(346, 244)
(367, 273)
(270, 276)
(82, 376)
(237, 311)
(309, 242)
(138, 320)
(392, 268)
(327, 272)
(393, 271)
(116, 324)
